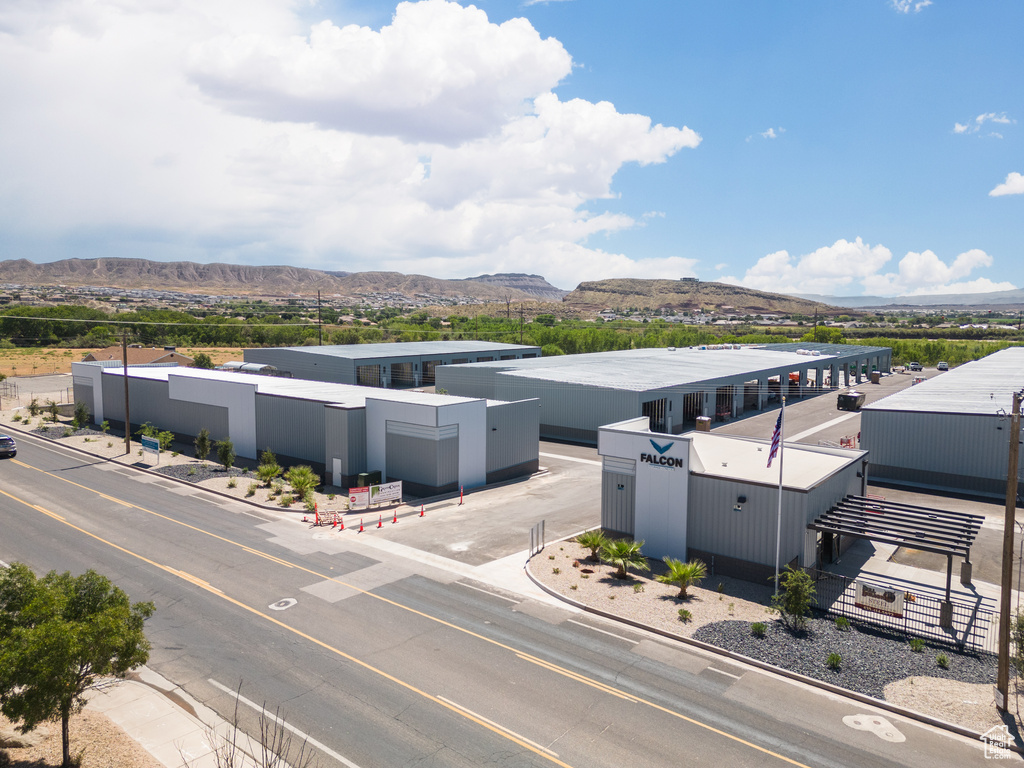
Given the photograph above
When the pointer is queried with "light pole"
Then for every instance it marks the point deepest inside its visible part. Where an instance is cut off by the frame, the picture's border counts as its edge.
(1010, 519)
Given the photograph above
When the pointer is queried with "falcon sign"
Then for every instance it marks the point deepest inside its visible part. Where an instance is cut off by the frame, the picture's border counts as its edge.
(659, 458)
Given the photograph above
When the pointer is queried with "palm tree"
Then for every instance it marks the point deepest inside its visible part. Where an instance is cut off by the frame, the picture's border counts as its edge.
(624, 553)
(592, 540)
(683, 575)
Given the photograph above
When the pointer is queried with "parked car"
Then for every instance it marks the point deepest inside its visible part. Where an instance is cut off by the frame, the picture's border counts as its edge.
(916, 367)
(8, 447)
(943, 366)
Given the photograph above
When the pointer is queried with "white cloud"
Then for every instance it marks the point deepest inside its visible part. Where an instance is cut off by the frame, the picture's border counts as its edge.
(771, 133)
(1014, 185)
(854, 268)
(906, 6)
(226, 130)
(975, 126)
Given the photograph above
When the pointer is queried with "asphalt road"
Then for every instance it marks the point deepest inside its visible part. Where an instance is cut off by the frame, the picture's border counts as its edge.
(391, 662)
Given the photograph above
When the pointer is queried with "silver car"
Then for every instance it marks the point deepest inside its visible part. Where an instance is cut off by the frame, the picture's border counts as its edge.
(7, 446)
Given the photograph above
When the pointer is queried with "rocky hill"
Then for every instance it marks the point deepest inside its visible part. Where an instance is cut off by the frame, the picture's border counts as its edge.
(534, 285)
(232, 279)
(688, 295)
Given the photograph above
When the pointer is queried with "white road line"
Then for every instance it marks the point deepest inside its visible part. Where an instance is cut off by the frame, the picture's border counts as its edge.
(502, 728)
(819, 428)
(305, 737)
(602, 631)
(722, 672)
(571, 458)
(487, 592)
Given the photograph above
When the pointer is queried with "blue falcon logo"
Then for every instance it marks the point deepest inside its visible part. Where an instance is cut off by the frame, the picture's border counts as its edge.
(661, 448)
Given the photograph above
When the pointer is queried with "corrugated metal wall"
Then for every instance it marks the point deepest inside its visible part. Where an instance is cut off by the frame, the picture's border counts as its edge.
(148, 401)
(303, 365)
(83, 394)
(618, 495)
(714, 526)
(951, 450)
(430, 460)
(467, 382)
(513, 431)
(345, 439)
(573, 411)
(290, 427)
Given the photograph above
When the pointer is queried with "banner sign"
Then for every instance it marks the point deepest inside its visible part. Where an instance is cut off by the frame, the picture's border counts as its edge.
(387, 492)
(879, 599)
(151, 445)
(359, 498)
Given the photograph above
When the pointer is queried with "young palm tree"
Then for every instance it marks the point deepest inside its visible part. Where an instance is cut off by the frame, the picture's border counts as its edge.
(683, 575)
(624, 554)
(592, 540)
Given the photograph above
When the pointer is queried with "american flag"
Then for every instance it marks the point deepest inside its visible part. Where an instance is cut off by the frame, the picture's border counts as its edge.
(776, 439)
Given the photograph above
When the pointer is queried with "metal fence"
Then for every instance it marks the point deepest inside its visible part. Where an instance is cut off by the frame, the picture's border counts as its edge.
(973, 625)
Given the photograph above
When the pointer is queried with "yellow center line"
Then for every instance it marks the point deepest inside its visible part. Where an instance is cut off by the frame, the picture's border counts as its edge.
(316, 641)
(442, 622)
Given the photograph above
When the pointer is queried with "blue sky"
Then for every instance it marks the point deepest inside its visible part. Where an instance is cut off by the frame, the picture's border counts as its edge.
(847, 148)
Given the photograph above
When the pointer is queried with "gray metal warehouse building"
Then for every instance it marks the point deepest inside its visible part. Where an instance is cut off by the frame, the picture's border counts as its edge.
(672, 387)
(433, 443)
(401, 364)
(951, 431)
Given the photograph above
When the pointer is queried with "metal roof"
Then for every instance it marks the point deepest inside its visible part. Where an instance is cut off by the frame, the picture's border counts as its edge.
(657, 368)
(409, 349)
(905, 525)
(347, 395)
(746, 460)
(982, 387)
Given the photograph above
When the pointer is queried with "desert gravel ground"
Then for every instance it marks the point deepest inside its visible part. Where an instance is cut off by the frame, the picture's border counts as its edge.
(101, 743)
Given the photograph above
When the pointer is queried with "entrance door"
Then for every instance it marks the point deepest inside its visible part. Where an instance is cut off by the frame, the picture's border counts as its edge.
(654, 410)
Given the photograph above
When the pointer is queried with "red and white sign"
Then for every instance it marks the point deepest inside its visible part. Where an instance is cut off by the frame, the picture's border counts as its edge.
(359, 498)
(879, 599)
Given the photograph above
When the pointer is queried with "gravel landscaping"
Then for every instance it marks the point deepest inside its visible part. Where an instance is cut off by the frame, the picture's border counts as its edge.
(870, 659)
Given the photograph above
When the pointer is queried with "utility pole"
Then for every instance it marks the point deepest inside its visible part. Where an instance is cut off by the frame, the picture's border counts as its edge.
(127, 416)
(1010, 519)
(520, 323)
(319, 320)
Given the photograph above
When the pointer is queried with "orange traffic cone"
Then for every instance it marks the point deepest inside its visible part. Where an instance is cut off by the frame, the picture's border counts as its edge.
(380, 521)
(395, 518)
(360, 525)
(421, 510)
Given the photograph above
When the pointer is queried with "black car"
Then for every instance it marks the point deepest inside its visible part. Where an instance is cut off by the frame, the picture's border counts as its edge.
(7, 446)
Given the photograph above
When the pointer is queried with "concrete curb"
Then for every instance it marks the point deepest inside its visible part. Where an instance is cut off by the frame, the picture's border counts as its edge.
(910, 714)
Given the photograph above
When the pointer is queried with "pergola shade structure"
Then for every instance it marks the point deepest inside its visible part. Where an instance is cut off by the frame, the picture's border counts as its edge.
(905, 525)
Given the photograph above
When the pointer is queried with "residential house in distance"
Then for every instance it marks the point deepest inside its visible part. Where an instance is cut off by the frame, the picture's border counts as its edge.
(139, 355)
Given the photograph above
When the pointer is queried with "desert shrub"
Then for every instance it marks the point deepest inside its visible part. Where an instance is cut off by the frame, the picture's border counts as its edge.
(916, 644)
(34, 408)
(232, 483)
(942, 660)
(834, 661)
(82, 414)
(842, 623)
(624, 554)
(684, 615)
(251, 490)
(226, 452)
(53, 410)
(286, 500)
(302, 480)
(202, 444)
(683, 575)
(592, 540)
(758, 629)
(794, 601)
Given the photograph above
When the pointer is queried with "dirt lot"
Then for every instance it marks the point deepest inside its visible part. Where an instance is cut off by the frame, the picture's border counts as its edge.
(35, 361)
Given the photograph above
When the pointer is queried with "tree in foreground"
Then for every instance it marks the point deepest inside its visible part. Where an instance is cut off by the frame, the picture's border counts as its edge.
(592, 540)
(683, 575)
(624, 554)
(794, 601)
(61, 636)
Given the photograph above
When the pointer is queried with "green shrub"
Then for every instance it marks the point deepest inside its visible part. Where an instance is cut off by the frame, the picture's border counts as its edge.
(251, 490)
(34, 408)
(166, 438)
(758, 629)
(105, 426)
(684, 615)
(310, 502)
(683, 575)
(594, 541)
(68, 431)
(53, 410)
(834, 661)
(1017, 638)
(556, 570)
(942, 660)
(916, 644)
(302, 480)
(286, 500)
(202, 444)
(191, 471)
(232, 483)
(624, 554)
(794, 600)
(842, 623)
(16, 418)
(638, 587)
(268, 468)
(574, 587)
(330, 497)
(81, 413)
(226, 452)
(175, 455)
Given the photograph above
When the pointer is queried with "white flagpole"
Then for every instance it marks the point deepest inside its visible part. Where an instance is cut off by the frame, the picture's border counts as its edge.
(778, 525)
